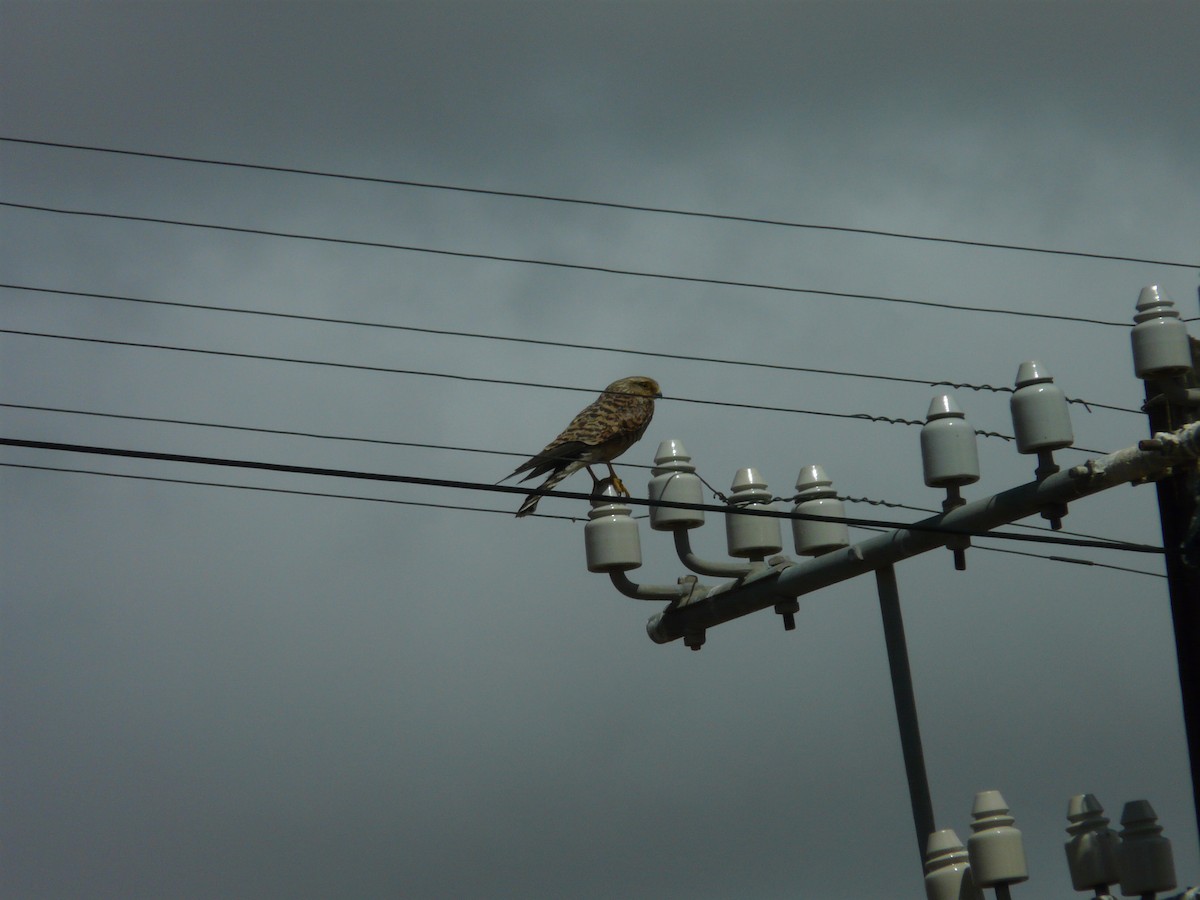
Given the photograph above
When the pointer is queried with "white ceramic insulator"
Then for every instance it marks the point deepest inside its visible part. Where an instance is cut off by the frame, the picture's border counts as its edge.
(1144, 857)
(1039, 411)
(996, 849)
(1092, 849)
(815, 496)
(1160, 339)
(611, 537)
(751, 537)
(948, 869)
(948, 448)
(674, 478)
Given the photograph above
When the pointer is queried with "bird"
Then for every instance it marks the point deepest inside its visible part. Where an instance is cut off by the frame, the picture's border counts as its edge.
(601, 432)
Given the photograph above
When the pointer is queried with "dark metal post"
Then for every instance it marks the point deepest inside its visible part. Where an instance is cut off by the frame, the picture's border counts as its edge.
(906, 707)
(1177, 507)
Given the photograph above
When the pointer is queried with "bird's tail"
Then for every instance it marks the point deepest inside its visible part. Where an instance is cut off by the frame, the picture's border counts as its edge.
(531, 502)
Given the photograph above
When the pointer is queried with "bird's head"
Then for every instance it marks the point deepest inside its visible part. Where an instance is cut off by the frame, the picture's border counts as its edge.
(635, 385)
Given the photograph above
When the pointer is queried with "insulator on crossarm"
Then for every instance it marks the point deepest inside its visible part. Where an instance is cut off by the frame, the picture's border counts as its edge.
(815, 496)
(674, 479)
(948, 869)
(1040, 416)
(948, 447)
(950, 458)
(1144, 858)
(1042, 424)
(611, 536)
(1092, 849)
(751, 537)
(996, 848)
(1161, 348)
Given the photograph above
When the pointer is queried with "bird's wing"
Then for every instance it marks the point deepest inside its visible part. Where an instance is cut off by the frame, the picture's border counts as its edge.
(601, 421)
(556, 456)
(602, 431)
(585, 431)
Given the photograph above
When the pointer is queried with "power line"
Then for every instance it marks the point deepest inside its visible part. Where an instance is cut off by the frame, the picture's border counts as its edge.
(1049, 557)
(608, 270)
(297, 360)
(630, 207)
(864, 417)
(504, 512)
(1071, 559)
(425, 446)
(261, 430)
(925, 509)
(569, 495)
(270, 490)
(1088, 404)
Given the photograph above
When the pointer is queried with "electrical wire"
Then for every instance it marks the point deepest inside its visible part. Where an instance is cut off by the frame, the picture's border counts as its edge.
(570, 495)
(262, 430)
(925, 509)
(480, 450)
(270, 490)
(1049, 557)
(608, 270)
(503, 512)
(1087, 404)
(550, 343)
(864, 417)
(1075, 561)
(630, 207)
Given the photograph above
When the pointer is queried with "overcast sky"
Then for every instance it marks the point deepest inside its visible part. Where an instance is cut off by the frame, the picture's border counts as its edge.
(209, 691)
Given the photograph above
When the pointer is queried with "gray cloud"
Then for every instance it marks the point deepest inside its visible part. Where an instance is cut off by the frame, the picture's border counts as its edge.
(211, 692)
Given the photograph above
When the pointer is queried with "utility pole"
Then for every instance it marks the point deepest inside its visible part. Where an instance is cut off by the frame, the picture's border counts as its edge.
(1168, 361)
(1163, 356)
(906, 707)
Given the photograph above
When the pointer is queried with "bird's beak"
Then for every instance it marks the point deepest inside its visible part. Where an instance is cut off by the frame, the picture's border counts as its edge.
(658, 396)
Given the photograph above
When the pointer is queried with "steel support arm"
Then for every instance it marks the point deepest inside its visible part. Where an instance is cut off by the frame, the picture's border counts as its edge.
(683, 548)
(760, 590)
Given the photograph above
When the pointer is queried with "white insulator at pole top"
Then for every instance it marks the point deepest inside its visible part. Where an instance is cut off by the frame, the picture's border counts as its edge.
(1160, 338)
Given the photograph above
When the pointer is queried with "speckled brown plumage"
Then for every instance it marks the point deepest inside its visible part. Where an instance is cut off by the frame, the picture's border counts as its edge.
(601, 432)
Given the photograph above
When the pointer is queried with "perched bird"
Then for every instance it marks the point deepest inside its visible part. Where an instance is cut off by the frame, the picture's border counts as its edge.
(599, 434)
